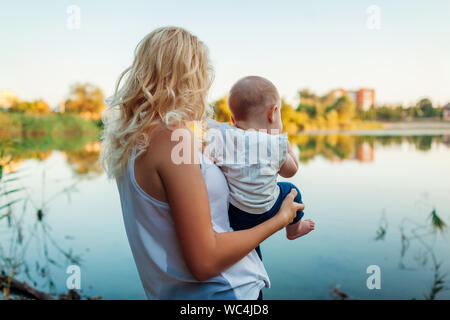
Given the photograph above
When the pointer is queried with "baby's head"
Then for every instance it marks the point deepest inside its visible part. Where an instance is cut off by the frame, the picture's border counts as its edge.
(255, 104)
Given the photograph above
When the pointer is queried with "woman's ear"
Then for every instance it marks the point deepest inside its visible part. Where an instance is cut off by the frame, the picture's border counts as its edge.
(233, 121)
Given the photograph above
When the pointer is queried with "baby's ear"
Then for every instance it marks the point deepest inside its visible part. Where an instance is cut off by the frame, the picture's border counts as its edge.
(271, 114)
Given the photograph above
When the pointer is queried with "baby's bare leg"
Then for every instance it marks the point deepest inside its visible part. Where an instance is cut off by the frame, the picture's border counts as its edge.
(299, 229)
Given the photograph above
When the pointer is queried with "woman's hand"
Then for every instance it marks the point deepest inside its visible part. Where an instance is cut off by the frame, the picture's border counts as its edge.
(289, 209)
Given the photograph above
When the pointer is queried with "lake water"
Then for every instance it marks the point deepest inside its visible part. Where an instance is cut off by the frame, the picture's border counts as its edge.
(371, 197)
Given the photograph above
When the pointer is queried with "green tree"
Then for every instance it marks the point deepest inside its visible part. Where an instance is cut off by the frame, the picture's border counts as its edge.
(31, 107)
(85, 99)
(221, 110)
(426, 108)
(370, 114)
(307, 98)
(311, 110)
(293, 120)
(345, 108)
(309, 103)
(316, 106)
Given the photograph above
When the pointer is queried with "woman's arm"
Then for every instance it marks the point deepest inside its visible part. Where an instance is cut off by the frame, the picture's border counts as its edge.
(206, 253)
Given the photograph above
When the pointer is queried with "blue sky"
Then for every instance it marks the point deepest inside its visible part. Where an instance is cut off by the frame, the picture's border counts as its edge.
(318, 45)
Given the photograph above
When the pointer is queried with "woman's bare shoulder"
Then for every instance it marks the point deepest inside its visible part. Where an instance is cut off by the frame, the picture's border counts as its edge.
(165, 141)
(149, 164)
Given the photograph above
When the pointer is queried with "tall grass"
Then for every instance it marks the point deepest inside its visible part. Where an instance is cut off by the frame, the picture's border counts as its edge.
(19, 124)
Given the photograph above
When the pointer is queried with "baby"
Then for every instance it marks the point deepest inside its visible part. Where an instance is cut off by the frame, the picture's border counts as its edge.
(251, 153)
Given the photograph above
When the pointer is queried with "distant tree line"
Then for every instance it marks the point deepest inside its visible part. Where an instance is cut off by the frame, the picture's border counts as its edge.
(84, 99)
(313, 112)
(337, 112)
(321, 106)
(32, 107)
(422, 109)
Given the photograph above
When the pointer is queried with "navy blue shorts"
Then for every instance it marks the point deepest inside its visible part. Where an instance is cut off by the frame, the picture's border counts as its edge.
(241, 220)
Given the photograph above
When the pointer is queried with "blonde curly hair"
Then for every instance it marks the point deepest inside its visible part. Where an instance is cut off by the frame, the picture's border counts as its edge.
(167, 84)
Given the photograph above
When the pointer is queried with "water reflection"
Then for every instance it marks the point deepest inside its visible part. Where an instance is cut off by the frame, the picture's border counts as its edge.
(82, 153)
(417, 250)
(360, 148)
(85, 161)
(30, 252)
(423, 236)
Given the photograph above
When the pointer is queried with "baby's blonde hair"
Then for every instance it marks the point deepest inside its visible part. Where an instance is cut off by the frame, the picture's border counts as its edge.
(167, 83)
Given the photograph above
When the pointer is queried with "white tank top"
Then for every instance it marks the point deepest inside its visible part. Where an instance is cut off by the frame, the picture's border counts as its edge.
(157, 254)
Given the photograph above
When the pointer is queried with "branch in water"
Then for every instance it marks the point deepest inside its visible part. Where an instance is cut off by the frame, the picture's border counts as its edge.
(22, 289)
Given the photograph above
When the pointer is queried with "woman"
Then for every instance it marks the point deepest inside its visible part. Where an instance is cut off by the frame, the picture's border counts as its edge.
(175, 215)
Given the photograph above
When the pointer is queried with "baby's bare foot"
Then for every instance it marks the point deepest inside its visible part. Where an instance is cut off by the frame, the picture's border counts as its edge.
(299, 229)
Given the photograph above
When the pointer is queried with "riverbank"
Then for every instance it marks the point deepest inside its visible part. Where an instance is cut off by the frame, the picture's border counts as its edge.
(26, 136)
(388, 128)
(19, 125)
(417, 125)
